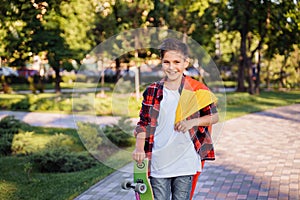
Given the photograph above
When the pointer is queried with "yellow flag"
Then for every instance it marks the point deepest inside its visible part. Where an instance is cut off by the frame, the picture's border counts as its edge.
(192, 101)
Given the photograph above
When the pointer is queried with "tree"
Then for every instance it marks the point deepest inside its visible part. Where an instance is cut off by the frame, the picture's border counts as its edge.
(33, 27)
(77, 24)
(46, 36)
(16, 17)
(256, 21)
(121, 16)
(283, 35)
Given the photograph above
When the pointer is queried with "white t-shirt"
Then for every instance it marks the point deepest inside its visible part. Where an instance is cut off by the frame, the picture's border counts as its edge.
(173, 153)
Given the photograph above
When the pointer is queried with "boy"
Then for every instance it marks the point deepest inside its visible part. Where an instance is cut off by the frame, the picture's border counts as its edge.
(174, 124)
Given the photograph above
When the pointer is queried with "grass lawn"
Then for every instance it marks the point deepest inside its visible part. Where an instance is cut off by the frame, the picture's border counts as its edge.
(239, 104)
(15, 184)
(63, 85)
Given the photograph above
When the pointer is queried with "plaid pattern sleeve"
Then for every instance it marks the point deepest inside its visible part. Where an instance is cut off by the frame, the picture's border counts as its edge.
(149, 114)
(201, 135)
(147, 104)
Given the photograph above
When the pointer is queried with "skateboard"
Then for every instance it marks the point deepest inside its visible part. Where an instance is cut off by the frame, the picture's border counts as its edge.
(141, 184)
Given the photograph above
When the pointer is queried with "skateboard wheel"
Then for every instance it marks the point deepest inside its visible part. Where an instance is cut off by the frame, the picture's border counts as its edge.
(140, 188)
(126, 185)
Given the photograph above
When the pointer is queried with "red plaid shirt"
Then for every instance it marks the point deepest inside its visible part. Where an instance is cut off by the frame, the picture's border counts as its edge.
(148, 121)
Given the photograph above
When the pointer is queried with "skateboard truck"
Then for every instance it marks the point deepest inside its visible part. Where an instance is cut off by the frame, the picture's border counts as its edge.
(139, 186)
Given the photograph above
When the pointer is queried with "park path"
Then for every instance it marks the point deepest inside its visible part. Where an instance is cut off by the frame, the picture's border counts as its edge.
(258, 157)
(48, 119)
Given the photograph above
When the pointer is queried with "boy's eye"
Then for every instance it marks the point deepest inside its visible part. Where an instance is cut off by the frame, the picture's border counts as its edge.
(166, 63)
(175, 62)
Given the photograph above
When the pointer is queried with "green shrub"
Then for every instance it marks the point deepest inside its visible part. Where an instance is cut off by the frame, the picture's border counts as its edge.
(119, 138)
(62, 160)
(10, 122)
(25, 143)
(69, 78)
(103, 106)
(60, 140)
(23, 104)
(120, 134)
(42, 104)
(22, 144)
(65, 105)
(90, 135)
(9, 126)
(55, 153)
(83, 105)
(96, 139)
(81, 78)
(5, 144)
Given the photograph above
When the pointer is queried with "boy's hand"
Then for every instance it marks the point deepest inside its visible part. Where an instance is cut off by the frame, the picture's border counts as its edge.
(184, 126)
(138, 155)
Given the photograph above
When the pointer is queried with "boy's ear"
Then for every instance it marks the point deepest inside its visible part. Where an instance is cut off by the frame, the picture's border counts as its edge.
(186, 63)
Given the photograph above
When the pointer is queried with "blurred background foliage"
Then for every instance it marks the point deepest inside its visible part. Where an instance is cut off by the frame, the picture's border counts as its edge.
(254, 43)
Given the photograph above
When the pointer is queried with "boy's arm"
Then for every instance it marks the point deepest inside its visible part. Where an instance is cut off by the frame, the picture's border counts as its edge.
(206, 120)
(208, 117)
(140, 131)
(139, 153)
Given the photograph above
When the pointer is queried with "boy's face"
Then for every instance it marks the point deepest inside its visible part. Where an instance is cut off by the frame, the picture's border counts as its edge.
(174, 64)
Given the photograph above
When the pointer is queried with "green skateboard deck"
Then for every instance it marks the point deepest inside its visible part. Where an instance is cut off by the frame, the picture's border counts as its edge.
(141, 183)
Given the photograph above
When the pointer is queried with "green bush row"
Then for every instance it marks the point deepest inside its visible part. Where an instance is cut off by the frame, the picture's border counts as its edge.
(43, 104)
(119, 134)
(58, 153)
(62, 160)
(53, 102)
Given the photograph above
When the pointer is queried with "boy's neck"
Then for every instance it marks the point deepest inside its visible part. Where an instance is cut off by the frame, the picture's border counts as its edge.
(172, 84)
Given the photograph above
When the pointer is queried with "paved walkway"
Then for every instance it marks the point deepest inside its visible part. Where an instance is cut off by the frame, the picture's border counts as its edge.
(258, 157)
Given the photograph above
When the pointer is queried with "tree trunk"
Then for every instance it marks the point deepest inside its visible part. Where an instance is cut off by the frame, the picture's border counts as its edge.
(268, 75)
(282, 73)
(251, 68)
(242, 63)
(55, 63)
(57, 80)
(118, 69)
(250, 79)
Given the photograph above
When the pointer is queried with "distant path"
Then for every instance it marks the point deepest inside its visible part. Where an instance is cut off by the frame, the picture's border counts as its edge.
(58, 119)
